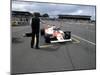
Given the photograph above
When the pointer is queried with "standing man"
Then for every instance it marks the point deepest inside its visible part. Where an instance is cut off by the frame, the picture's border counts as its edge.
(35, 25)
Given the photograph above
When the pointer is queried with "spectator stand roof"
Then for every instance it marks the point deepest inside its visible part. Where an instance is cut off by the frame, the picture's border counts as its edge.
(75, 17)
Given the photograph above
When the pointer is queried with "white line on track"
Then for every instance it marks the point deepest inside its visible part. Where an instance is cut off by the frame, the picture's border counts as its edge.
(83, 39)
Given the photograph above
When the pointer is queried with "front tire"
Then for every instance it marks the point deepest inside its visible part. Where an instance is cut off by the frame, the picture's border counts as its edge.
(42, 32)
(47, 39)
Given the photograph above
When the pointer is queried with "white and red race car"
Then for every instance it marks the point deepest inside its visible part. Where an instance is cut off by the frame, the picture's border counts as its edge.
(52, 34)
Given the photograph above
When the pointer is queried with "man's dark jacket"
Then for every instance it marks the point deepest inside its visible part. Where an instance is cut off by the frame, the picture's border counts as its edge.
(35, 25)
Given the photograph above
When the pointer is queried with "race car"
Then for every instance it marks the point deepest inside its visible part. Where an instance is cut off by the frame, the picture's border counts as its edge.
(53, 34)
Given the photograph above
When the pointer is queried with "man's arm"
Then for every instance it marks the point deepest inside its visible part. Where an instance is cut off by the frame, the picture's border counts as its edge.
(42, 21)
(31, 21)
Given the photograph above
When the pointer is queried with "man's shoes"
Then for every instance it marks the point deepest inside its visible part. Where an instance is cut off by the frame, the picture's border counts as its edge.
(31, 46)
(37, 47)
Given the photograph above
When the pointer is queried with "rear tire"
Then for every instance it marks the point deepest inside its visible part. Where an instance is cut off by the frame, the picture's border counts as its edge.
(67, 35)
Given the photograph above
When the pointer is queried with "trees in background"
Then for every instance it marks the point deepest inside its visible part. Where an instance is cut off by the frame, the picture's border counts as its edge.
(45, 15)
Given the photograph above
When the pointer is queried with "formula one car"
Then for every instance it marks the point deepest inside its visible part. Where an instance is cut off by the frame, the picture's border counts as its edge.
(53, 34)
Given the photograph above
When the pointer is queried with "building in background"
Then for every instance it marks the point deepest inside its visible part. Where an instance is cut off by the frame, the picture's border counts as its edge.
(24, 18)
(75, 18)
(21, 18)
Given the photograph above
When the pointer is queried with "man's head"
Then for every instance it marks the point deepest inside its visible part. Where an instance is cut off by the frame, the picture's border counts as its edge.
(36, 14)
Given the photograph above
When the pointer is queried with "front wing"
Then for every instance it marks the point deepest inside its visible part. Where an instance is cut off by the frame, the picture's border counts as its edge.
(64, 40)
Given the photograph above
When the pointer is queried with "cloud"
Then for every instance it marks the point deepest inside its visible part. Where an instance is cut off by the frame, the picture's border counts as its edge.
(54, 9)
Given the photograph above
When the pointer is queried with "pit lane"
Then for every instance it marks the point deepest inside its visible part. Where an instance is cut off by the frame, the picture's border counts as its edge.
(79, 54)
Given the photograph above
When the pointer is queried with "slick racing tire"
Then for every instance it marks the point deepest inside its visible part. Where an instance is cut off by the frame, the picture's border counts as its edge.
(27, 34)
(42, 32)
(67, 35)
(47, 39)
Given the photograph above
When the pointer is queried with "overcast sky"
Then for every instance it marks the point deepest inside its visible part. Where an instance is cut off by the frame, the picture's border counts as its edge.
(54, 9)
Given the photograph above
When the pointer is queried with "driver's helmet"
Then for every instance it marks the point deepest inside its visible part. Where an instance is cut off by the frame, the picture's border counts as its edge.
(48, 26)
(54, 26)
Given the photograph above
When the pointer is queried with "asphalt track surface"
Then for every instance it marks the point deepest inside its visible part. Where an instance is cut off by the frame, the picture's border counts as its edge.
(80, 54)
